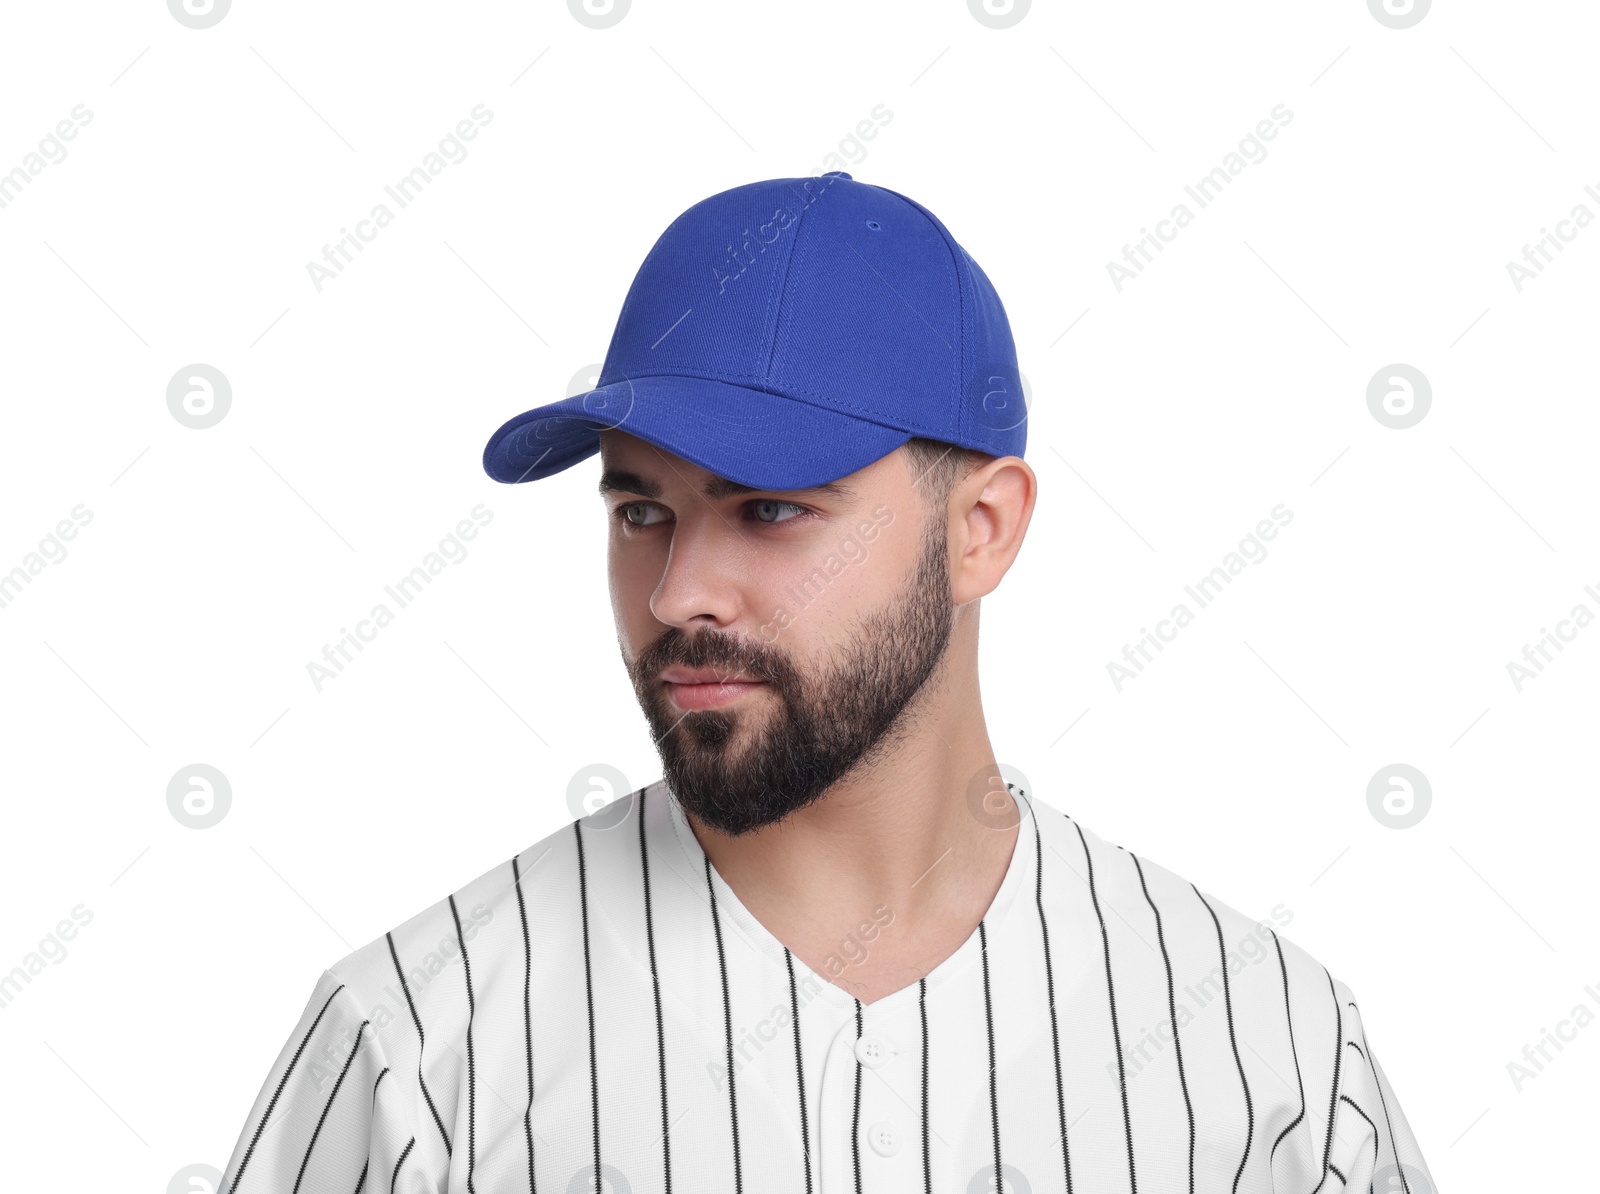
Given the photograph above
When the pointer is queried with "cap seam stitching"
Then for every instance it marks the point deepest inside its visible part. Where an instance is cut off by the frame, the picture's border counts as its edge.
(780, 280)
(962, 365)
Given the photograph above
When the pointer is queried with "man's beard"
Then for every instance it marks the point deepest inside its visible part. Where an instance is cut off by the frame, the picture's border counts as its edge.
(824, 726)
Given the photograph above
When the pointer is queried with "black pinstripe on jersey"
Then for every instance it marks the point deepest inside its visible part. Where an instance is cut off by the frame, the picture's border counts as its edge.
(1344, 1098)
(422, 1043)
(527, 1017)
(988, 1027)
(472, 1066)
(278, 1093)
(588, 995)
(1111, 996)
(1338, 1056)
(922, 1013)
(655, 991)
(1172, 1012)
(799, 1064)
(727, 1026)
(1050, 996)
(1233, 1039)
(394, 1178)
(855, 1117)
(1288, 1019)
(328, 1106)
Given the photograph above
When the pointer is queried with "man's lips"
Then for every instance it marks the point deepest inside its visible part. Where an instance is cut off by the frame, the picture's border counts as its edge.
(704, 675)
(706, 688)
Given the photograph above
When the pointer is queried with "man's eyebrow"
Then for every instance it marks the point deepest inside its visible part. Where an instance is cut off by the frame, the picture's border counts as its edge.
(619, 481)
(622, 481)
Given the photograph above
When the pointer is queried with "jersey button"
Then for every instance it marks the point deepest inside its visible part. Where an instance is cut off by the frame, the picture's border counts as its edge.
(873, 1051)
(884, 1139)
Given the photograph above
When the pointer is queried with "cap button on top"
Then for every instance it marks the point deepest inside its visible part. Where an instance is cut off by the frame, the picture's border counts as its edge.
(837, 174)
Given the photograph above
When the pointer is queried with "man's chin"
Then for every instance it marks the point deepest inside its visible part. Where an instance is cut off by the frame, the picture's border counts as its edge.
(714, 743)
(715, 799)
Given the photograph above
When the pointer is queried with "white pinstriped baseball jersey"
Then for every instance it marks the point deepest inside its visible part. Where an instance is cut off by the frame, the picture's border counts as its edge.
(580, 1007)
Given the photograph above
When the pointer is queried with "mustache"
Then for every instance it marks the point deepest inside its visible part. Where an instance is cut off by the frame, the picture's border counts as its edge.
(712, 649)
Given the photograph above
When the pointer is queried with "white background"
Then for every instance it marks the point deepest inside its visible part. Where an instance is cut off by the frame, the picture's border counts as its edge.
(1168, 418)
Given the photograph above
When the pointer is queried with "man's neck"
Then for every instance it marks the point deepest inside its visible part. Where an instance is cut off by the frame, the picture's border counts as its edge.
(882, 878)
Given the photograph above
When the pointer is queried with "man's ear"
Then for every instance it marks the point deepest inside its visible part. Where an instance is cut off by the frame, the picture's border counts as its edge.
(989, 512)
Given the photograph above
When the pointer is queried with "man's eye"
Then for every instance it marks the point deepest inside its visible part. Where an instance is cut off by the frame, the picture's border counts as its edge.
(639, 514)
(770, 510)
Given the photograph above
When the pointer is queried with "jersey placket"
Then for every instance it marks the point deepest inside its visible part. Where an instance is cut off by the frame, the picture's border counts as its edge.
(870, 1104)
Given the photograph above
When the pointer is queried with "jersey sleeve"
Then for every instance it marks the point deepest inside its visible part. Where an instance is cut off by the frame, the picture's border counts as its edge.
(1372, 1145)
(331, 1115)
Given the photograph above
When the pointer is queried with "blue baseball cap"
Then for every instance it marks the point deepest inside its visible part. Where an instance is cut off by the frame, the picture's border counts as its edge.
(784, 334)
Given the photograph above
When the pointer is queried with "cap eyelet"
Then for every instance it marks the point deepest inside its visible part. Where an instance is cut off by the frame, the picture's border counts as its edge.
(874, 225)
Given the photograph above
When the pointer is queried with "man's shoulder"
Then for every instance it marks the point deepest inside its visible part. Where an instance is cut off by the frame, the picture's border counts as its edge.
(495, 917)
(1139, 898)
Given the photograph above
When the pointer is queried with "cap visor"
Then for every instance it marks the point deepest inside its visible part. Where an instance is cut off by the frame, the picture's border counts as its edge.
(762, 440)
